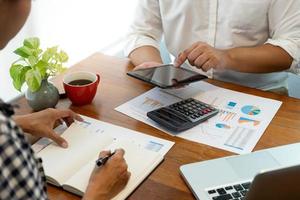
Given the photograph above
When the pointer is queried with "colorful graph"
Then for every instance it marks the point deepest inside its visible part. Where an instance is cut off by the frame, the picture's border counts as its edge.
(244, 120)
(223, 126)
(231, 105)
(251, 110)
(226, 115)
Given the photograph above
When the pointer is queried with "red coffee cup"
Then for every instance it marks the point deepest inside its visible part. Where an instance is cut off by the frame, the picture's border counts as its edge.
(81, 87)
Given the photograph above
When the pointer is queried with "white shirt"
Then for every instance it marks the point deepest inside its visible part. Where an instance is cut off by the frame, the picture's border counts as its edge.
(223, 24)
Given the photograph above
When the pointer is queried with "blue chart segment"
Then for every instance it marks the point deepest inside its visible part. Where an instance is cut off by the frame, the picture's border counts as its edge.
(231, 105)
(224, 126)
(251, 110)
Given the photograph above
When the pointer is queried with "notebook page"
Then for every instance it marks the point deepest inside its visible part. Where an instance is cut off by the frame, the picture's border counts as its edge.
(140, 163)
(60, 164)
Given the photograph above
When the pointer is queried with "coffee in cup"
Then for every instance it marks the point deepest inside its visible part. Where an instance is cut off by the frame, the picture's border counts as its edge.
(81, 87)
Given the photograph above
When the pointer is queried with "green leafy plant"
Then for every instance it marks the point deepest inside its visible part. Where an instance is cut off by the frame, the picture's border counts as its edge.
(35, 65)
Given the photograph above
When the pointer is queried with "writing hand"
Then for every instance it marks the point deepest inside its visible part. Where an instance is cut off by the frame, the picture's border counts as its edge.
(108, 180)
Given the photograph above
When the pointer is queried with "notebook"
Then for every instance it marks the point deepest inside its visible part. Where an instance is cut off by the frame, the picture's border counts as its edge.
(71, 168)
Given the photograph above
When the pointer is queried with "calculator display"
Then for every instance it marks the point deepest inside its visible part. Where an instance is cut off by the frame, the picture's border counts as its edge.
(167, 76)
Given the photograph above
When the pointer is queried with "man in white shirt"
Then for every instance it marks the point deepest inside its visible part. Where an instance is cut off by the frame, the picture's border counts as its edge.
(248, 42)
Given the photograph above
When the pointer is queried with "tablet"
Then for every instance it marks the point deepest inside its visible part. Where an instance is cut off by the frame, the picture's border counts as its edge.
(167, 76)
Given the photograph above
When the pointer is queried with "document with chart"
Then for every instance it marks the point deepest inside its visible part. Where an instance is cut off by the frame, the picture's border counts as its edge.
(237, 128)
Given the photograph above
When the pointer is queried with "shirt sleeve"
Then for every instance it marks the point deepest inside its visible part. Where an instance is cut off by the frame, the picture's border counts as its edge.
(146, 29)
(284, 26)
(21, 174)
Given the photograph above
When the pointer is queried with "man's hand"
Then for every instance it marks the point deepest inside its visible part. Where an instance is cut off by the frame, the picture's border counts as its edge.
(41, 123)
(108, 180)
(204, 57)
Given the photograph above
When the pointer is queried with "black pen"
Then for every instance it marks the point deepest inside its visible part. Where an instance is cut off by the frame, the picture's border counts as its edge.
(102, 160)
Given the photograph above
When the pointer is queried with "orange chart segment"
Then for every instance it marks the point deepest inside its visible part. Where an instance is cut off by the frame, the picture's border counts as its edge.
(244, 120)
(226, 115)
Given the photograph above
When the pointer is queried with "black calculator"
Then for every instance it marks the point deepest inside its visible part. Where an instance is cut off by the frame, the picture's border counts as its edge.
(183, 115)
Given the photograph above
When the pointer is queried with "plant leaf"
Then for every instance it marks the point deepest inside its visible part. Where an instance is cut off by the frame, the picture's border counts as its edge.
(32, 43)
(63, 56)
(37, 52)
(24, 52)
(42, 67)
(49, 53)
(33, 79)
(17, 72)
(32, 60)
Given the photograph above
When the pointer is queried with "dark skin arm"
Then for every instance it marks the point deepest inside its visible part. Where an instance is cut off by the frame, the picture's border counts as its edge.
(266, 58)
(261, 59)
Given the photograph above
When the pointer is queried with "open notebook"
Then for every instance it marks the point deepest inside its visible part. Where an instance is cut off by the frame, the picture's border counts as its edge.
(71, 167)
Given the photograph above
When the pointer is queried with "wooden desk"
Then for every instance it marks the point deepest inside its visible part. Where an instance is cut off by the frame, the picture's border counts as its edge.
(165, 182)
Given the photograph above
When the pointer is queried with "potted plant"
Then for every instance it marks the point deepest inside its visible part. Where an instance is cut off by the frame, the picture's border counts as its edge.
(33, 67)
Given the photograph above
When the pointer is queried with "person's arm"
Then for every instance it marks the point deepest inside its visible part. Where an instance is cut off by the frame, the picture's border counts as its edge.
(262, 59)
(145, 56)
(280, 52)
(41, 123)
(19, 166)
(145, 34)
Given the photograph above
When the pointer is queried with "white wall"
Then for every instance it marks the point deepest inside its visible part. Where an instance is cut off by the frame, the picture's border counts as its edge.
(80, 27)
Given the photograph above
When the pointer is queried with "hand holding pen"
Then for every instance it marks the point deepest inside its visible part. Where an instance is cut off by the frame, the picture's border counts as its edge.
(103, 159)
(110, 178)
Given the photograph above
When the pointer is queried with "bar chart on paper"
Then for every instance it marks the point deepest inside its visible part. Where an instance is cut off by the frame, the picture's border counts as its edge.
(226, 115)
(152, 103)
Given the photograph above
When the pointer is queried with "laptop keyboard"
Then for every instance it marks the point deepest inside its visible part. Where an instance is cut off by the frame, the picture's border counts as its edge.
(234, 192)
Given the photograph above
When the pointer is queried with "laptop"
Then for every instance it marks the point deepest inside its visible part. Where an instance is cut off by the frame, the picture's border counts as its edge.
(267, 174)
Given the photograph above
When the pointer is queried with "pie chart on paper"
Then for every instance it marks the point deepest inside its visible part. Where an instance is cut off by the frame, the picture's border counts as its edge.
(251, 110)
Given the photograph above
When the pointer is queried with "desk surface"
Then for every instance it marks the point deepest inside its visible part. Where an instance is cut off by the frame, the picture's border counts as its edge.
(165, 182)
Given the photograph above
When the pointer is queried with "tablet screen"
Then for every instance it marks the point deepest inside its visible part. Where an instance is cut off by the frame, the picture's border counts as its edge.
(167, 76)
